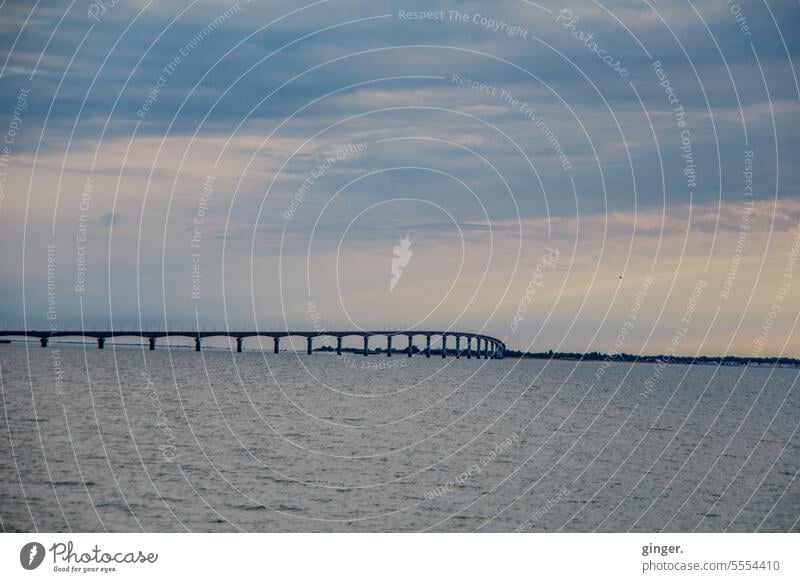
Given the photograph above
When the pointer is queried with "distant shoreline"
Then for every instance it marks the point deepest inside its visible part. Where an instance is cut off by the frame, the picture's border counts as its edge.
(657, 359)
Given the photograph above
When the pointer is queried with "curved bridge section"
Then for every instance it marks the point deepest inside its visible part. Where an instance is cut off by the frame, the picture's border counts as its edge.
(462, 342)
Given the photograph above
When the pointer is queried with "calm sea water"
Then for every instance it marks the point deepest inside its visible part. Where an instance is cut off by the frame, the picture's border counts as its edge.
(130, 440)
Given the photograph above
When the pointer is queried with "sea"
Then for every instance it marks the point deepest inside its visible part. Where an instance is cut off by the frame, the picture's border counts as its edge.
(128, 440)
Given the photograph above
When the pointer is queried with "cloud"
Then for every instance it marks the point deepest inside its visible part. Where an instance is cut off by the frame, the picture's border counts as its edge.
(148, 105)
(109, 219)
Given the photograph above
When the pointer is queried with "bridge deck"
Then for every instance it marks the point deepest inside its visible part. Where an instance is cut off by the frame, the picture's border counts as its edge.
(492, 347)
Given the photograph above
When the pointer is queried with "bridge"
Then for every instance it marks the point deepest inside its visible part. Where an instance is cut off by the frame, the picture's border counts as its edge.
(486, 346)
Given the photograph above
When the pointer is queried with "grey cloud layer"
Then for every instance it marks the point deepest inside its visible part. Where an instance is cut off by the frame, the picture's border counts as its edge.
(352, 72)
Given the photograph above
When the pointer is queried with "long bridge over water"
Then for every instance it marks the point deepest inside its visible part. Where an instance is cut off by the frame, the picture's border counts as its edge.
(485, 345)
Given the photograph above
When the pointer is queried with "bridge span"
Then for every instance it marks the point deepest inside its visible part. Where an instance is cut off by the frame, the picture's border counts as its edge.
(485, 346)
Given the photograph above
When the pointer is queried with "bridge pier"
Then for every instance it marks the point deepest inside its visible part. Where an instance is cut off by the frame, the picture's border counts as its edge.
(428, 346)
(469, 348)
(389, 346)
(152, 342)
(444, 346)
(197, 344)
(101, 343)
(486, 349)
(43, 341)
(338, 345)
(366, 345)
(308, 345)
(410, 345)
(239, 345)
(478, 348)
(458, 346)
(276, 344)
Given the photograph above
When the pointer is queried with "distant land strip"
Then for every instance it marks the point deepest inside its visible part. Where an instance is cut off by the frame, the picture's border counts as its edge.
(656, 359)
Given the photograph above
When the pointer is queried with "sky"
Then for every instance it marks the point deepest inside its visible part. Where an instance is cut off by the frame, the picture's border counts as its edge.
(578, 176)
